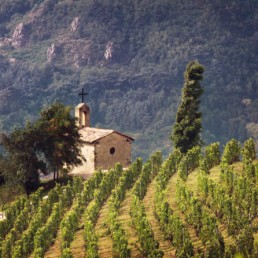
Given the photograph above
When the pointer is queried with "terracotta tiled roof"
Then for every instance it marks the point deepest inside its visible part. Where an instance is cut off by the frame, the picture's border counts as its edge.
(90, 134)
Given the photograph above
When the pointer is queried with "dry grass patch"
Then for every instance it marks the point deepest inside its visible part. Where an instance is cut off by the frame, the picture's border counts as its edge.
(78, 245)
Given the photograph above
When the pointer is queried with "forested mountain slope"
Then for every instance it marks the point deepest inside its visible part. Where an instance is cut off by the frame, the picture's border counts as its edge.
(130, 57)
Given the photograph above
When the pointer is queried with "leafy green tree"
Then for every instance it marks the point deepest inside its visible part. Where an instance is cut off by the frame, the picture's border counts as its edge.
(60, 139)
(21, 164)
(52, 140)
(187, 129)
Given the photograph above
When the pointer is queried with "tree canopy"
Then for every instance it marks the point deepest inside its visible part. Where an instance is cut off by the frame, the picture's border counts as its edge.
(22, 163)
(60, 137)
(49, 144)
(187, 129)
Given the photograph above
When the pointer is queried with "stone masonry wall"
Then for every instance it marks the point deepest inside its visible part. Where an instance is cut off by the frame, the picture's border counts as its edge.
(112, 149)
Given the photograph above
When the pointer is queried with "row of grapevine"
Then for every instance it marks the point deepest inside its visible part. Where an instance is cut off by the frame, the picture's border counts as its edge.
(22, 210)
(189, 162)
(70, 221)
(149, 246)
(32, 223)
(46, 234)
(168, 168)
(231, 154)
(11, 214)
(171, 225)
(20, 225)
(210, 158)
(44, 221)
(248, 151)
(16, 209)
(109, 181)
(150, 170)
(233, 150)
(205, 225)
(235, 204)
(24, 246)
(234, 199)
(120, 243)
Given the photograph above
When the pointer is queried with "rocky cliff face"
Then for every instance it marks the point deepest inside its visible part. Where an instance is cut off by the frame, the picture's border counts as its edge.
(76, 51)
(69, 46)
(19, 39)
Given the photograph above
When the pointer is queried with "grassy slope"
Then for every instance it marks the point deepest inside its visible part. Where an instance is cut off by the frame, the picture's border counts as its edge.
(77, 246)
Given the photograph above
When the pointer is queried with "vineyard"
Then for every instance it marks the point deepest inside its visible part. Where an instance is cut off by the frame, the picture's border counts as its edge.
(201, 204)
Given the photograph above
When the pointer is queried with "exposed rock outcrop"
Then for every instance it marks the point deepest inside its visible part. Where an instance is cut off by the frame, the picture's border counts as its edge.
(71, 52)
(5, 42)
(20, 36)
(109, 51)
(51, 52)
(75, 25)
(12, 60)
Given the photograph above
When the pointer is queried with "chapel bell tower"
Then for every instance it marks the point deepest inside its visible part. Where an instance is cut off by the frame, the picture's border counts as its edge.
(82, 112)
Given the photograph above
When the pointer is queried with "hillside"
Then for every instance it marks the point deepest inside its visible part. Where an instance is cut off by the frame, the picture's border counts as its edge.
(130, 57)
(148, 210)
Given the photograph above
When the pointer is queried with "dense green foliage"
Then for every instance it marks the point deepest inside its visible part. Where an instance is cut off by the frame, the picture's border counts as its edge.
(59, 137)
(53, 141)
(187, 128)
(22, 164)
(138, 89)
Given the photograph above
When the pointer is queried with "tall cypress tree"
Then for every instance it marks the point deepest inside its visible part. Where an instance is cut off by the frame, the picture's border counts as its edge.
(188, 126)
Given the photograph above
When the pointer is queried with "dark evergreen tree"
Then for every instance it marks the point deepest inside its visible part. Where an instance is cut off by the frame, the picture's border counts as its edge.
(187, 129)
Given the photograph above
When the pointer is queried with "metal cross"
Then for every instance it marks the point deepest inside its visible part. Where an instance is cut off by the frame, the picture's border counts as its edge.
(83, 94)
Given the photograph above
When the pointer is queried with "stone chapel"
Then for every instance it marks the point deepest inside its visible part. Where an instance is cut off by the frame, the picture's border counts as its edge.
(102, 148)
